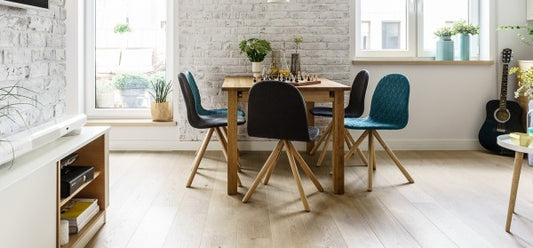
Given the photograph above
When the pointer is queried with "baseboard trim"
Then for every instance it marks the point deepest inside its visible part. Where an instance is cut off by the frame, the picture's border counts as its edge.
(167, 145)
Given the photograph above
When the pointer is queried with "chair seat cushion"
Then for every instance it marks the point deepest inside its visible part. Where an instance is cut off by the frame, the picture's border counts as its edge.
(313, 133)
(368, 123)
(221, 112)
(209, 121)
(328, 112)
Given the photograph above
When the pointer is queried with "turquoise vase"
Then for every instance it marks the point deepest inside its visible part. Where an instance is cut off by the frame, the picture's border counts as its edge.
(444, 48)
(465, 46)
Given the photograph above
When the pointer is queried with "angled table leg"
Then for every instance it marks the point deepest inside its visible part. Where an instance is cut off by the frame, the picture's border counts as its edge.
(232, 142)
(338, 142)
(514, 188)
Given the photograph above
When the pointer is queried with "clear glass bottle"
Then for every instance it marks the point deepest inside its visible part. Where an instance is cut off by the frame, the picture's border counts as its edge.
(284, 66)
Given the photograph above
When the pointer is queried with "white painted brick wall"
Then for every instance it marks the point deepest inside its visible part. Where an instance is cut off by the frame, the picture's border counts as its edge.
(209, 32)
(32, 55)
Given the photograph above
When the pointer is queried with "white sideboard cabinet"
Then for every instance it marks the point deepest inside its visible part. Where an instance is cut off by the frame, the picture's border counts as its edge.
(30, 199)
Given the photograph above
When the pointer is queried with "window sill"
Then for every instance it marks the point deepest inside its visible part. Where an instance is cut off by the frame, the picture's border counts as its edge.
(129, 122)
(394, 61)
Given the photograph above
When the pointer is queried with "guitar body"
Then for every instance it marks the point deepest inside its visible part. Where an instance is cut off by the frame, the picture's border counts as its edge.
(490, 129)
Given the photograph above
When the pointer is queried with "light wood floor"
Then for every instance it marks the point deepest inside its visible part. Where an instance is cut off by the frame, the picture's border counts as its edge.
(459, 199)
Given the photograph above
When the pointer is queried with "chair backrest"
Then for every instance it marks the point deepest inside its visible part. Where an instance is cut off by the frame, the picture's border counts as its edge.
(356, 104)
(390, 102)
(277, 111)
(196, 94)
(190, 101)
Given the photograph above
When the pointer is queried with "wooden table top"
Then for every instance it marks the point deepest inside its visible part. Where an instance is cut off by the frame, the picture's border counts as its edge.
(246, 82)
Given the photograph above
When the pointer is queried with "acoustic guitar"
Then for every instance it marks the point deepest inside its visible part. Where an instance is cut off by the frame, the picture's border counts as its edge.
(503, 116)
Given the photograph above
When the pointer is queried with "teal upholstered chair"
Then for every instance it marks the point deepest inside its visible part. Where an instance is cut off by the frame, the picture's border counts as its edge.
(198, 101)
(389, 110)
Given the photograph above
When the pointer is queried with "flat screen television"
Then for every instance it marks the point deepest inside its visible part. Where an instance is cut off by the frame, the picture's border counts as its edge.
(27, 4)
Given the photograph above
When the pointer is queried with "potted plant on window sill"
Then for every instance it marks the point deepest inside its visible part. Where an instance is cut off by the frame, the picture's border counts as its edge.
(465, 30)
(444, 44)
(256, 51)
(161, 108)
(132, 89)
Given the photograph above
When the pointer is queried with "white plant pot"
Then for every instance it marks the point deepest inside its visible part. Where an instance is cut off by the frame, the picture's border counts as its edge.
(257, 68)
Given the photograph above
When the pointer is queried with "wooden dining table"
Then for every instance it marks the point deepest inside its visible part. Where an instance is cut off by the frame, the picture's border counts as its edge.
(238, 88)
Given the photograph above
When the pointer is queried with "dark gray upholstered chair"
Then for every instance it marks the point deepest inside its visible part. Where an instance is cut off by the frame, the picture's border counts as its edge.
(277, 111)
(215, 123)
(389, 110)
(355, 108)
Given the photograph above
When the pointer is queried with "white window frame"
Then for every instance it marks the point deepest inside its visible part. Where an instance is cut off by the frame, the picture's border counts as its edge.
(415, 26)
(90, 70)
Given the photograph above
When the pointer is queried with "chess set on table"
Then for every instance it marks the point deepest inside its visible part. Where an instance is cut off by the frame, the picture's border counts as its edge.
(300, 79)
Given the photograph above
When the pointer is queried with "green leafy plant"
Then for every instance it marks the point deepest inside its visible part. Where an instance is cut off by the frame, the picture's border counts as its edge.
(122, 28)
(160, 89)
(131, 81)
(297, 41)
(256, 49)
(444, 32)
(462, 27)
(524, 33)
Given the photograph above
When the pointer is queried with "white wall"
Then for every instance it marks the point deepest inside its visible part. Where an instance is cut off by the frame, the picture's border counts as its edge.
(32, 55)
(447, 105)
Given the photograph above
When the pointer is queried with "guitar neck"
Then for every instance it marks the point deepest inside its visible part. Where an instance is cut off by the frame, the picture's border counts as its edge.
(503, 91)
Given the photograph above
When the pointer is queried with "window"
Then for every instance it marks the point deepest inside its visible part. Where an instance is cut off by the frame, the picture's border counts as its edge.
(390, 35)
(404, 28)
(128, 45)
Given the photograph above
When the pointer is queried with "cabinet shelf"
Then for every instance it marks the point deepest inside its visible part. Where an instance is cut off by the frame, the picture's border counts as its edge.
(87, 231)
(66, 199)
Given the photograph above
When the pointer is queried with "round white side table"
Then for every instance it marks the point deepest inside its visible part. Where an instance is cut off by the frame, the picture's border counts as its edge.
(505, 142)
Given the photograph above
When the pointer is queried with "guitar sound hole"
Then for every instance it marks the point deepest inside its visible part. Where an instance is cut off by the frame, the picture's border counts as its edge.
(502, 115)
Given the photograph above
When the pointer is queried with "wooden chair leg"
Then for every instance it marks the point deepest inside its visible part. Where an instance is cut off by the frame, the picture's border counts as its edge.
(356, 145)
(371, 160)
(199, 156)
(350, 142)
(225, 132)
(326, 133)
(394, 158)
(296, 176)
(224, 143)
(324, 150)
(223, 139)
(277, 151)
(305, 167)
(268, 163)
(348, 138)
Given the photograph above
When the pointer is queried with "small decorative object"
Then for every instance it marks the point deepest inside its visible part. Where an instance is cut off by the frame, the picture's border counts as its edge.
(444, 44)
(161, 107)
(520, 139)
(464, 30)
(295, 57)
(256, 50)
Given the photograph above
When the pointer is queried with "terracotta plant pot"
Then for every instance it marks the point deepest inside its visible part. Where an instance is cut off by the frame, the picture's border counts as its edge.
(162, 111)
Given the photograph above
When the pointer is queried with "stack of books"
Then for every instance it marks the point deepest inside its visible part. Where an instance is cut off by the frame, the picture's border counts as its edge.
(78, 212)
